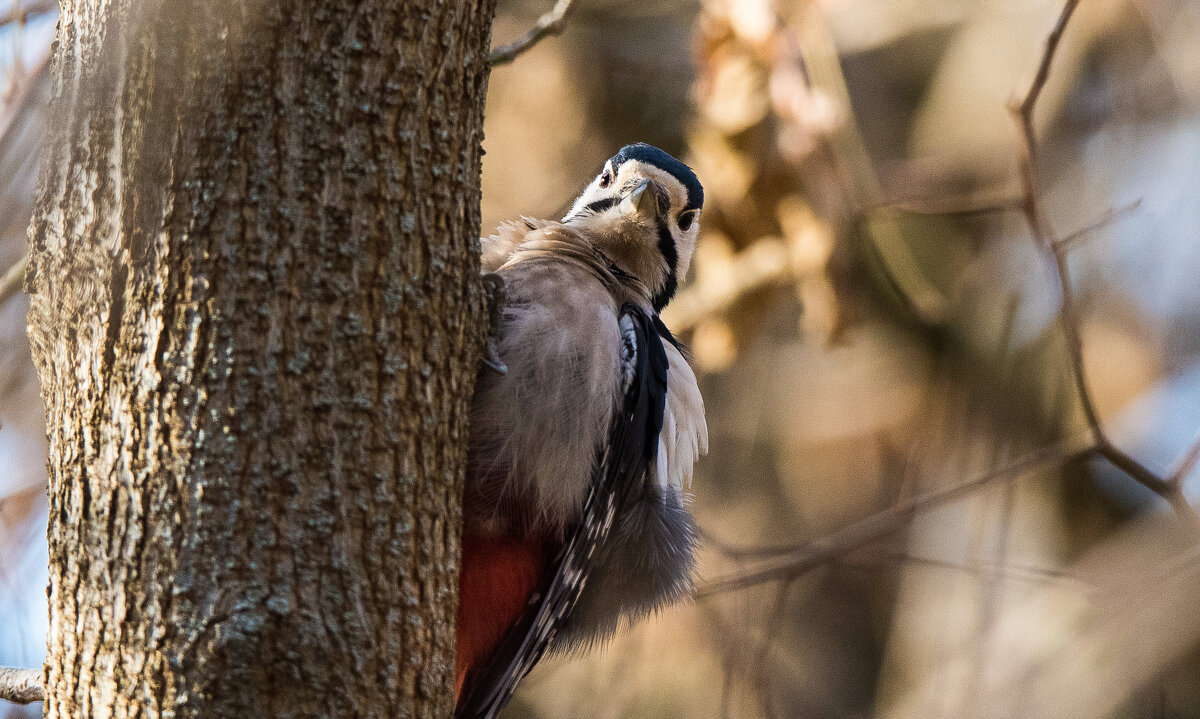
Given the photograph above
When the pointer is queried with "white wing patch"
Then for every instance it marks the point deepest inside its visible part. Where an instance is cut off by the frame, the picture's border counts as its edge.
(629, 350)
(684, 436)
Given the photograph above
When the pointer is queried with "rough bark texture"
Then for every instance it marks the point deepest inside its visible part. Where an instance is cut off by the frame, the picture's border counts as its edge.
(256, 316)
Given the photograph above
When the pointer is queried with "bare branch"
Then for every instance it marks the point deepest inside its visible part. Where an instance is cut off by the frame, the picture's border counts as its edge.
(1131, 467)
(1006, 570)
(13, 280)
(761, 673)
(1040, 227)
(960, 206)
(1056, 253)
(798, 559)
(22, 686)
(1067, 243)
(1186, 464)
(788, 561)
(1025, 109)
(552, 23)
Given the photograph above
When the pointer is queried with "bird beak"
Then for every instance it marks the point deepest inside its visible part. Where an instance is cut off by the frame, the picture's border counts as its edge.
(648, 199)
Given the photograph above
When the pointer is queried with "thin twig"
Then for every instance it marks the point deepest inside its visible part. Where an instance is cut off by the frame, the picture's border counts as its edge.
(1056, 252)
(14, 279)
(1067, 243)
(762, 678)
(989, 605)
(726, 689)
(21, 686)
(733, 552)
(552, 23)
(1025, 109)
(20, 13)
(1186, 464)
(1039, 226)
(1007, 570)
(959, 206)
(810, 555)
(1131, 467)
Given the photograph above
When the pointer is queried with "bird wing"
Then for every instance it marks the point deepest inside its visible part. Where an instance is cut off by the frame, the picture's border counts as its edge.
(621, 471)
(684, 439)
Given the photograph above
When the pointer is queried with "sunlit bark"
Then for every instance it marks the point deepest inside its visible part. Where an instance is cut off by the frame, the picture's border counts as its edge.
(256, 316)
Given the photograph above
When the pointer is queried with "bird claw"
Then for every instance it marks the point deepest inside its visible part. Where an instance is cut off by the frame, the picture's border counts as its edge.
(492, 361)
(493, 287)
(493, 290)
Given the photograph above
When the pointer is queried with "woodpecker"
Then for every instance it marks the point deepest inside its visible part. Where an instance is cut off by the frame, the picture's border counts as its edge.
(585, 427)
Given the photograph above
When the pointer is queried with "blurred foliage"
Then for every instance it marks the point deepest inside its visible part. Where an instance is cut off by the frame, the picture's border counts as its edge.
(25, 85)
(881, 342)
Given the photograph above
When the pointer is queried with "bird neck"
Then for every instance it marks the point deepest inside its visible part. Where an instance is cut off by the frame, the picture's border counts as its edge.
(564, 243)
(634, 255)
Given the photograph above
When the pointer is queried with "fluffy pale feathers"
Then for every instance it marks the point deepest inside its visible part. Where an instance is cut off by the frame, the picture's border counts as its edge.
(567, 343)
(584, 429)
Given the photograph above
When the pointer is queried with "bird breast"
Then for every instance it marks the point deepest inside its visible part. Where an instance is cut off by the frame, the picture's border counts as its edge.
(537, 428)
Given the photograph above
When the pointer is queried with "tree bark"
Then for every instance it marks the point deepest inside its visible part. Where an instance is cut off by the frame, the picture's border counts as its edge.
(256, 316)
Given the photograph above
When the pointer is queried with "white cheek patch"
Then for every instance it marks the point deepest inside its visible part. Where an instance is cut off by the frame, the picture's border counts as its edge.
(590, 194)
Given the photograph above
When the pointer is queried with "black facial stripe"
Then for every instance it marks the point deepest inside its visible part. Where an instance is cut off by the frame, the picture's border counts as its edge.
(602, 205)
(666, 245)
(653, 156)
(664, 204)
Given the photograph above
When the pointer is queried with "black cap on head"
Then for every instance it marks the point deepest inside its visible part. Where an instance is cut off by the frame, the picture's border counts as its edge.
(651, 155)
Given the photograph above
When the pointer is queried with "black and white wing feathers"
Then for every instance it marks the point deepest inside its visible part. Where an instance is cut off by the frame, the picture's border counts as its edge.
(620, 480)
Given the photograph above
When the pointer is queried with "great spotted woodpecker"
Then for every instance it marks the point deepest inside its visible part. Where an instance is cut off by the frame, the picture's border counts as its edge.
(583, 432)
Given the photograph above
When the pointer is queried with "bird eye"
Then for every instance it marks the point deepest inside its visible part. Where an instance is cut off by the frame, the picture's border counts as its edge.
(685, 220)
(605, 178)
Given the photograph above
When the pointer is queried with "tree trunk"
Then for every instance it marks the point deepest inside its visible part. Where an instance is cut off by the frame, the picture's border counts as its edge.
(256, 316)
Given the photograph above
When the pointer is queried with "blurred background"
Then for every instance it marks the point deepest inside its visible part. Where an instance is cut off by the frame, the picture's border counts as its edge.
(909, 508)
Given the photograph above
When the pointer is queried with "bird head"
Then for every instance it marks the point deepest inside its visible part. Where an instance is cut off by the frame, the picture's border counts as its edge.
(643, 211)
